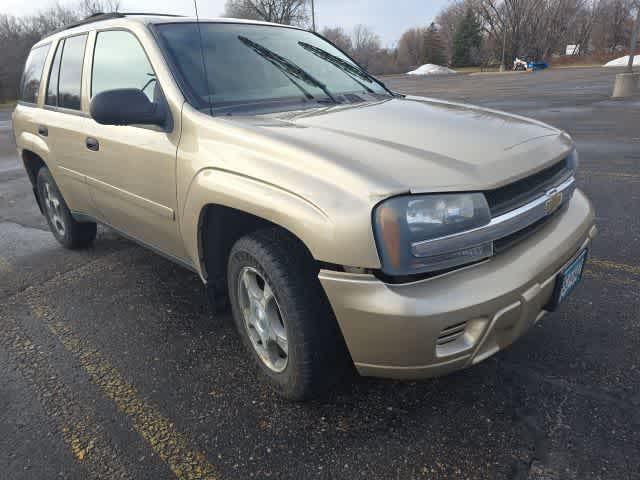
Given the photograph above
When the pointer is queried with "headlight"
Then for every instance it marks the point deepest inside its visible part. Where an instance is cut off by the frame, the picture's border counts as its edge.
(402, 224)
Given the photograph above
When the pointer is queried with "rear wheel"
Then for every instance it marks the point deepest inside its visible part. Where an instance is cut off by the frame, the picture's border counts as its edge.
(69, 232)
(283, 315)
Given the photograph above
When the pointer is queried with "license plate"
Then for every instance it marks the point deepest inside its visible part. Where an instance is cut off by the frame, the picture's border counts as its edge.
(567, 279)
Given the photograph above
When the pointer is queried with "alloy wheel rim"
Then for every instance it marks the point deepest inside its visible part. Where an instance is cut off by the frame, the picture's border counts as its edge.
(54, 209)
(263, 319)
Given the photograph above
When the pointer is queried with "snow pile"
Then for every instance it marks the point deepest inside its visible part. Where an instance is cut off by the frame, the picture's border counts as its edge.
(431, 69)
(623, 61)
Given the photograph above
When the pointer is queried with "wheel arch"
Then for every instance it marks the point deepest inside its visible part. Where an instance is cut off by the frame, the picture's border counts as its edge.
(240, 204)
(32, 164)
(219, 227)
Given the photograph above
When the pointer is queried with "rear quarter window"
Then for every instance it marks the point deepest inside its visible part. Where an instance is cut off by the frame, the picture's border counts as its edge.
(32, 75)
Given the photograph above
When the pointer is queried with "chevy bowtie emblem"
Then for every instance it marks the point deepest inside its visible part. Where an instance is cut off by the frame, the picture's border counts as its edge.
(554, 200)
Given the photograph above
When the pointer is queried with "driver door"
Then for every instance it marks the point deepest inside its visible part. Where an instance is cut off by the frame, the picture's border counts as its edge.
(131, 169)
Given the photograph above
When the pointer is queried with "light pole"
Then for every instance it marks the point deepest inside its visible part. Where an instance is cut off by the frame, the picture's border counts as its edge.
(313, 16)
(634, 40)
(626, 83)
(503, 66)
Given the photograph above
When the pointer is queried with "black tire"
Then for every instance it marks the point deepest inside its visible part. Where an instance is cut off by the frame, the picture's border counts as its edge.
(69, 232)
(317, 356)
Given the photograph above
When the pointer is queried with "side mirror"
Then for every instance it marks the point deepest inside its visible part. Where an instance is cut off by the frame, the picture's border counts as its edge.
(126, 106)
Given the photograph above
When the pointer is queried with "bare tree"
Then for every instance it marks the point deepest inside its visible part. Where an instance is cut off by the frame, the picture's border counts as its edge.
(611, 29)
(411, 47)
(581, 34)
(366, 44)
(91, 7)
(338, 37)
(536, 28)
(385, 61)
(288, 12)
(553, 30)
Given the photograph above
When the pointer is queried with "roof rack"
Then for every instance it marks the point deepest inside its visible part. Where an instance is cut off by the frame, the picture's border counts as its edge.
(151, 14)
(97, 17)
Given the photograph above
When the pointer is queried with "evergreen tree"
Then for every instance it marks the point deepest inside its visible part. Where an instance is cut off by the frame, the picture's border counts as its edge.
(433, 48)
(467, 40)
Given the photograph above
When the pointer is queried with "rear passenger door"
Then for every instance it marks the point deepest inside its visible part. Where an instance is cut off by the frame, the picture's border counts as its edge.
(63, 123)
(131, 171)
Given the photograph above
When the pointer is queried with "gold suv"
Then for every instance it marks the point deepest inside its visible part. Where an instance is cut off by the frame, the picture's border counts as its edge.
(345, 224)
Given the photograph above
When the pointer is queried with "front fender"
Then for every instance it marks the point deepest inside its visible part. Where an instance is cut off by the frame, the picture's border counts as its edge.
(269, 202)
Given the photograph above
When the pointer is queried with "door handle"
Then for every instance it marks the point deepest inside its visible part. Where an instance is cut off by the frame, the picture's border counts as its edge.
(43, 131)
(92, 144)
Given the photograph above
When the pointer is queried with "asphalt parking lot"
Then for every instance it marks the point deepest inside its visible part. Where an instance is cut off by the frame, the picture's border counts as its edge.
(112, 366)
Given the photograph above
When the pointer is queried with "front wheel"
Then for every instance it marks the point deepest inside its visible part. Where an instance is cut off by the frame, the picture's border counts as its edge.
(283, 315)
(69, 232)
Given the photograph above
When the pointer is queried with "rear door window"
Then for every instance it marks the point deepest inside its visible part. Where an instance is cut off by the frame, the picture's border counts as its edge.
(70, 77)
(30, 84)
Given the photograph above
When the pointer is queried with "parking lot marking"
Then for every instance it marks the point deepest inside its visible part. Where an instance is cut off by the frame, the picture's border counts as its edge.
(172, 446)
(76, 421)
(610, 278)
(613, 273)
(620, 267)
(5, 267)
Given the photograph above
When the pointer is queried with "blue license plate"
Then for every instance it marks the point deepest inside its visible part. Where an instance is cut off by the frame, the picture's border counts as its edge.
(567, 279)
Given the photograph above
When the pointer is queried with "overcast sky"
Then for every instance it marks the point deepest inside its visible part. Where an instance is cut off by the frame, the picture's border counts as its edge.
(389, 18)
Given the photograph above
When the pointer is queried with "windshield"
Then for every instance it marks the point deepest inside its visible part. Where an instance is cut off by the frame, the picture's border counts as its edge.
(253, 68)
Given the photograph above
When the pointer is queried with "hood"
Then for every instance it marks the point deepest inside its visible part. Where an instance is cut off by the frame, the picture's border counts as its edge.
(419, 145)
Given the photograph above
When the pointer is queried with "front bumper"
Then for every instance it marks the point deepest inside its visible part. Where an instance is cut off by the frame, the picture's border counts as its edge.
(404, 331)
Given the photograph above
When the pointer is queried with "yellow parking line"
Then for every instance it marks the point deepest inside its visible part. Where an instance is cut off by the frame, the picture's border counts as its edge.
(78, 448)
(5, 266)
(77, 422)
(610, 272)
(609, 278)
(619, 267)
(172, 446)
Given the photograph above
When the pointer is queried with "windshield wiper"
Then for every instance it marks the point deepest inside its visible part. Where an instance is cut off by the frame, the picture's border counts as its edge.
(289, 68)
(285, 72)
(340, 64)
(350, 69)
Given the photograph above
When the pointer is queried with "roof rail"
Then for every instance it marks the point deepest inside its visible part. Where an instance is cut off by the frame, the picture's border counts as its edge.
(97, 17)
(151, 14)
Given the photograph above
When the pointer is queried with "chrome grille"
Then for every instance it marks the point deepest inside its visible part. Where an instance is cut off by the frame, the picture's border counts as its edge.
(505, 243)
(507, 198)
(506, 224)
